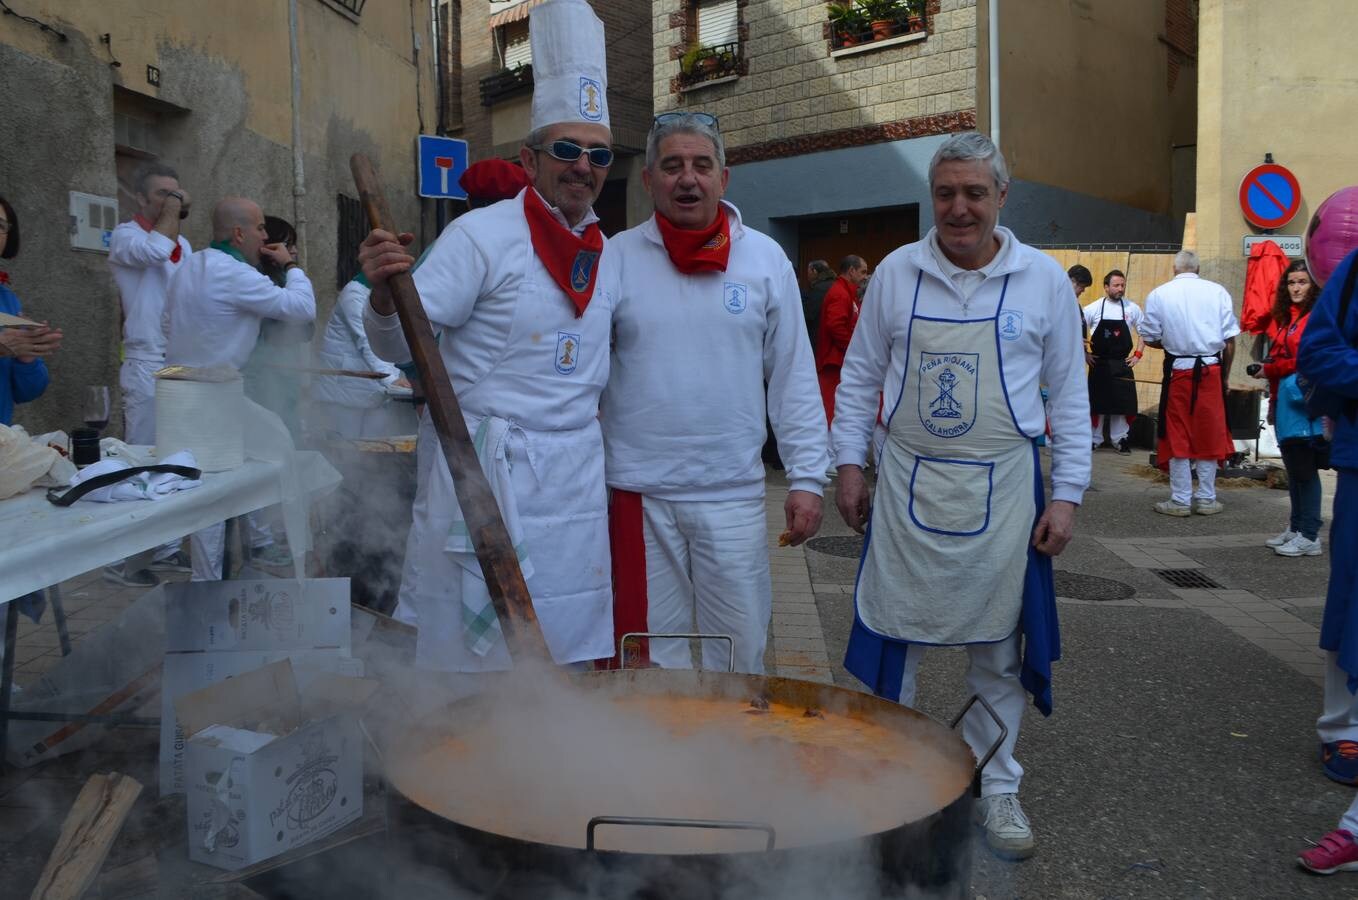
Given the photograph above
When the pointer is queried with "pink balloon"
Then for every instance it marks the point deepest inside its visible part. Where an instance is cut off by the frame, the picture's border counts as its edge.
(1333, 233)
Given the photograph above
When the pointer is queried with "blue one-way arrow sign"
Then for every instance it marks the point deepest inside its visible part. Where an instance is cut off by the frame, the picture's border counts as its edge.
(442, 162)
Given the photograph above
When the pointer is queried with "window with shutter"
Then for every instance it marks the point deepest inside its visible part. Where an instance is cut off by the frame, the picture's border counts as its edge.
(516, 49)
(718, 22)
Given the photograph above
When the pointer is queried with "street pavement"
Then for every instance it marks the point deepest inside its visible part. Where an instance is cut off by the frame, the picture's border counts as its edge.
(1181, 758)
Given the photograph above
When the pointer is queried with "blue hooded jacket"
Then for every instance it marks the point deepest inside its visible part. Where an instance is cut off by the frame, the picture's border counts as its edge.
(1329, 356)
(19, 382)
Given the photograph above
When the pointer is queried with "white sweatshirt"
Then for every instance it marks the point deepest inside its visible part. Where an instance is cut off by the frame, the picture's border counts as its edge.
(1049, 350)
(215, 304)
(684, 410)
(140, 262)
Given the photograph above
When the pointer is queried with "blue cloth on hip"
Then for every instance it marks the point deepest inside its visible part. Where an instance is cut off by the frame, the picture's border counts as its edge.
(879, 662)
(1339, 627)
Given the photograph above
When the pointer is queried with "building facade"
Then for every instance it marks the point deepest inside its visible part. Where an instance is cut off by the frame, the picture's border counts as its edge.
(830, 127)
(260, 98)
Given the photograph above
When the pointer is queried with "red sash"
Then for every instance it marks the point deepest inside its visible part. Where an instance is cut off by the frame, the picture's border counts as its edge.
(707, 250)
(627, 540)
(148, 225)
(571, 261)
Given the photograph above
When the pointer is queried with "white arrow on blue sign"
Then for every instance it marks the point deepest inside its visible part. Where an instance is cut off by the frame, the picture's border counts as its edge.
(442, 162)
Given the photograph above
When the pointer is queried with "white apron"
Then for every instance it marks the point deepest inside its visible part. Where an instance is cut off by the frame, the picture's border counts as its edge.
(549, 485)
(953, 512)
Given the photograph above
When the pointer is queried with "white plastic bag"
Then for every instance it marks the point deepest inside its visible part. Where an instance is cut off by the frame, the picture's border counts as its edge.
(27, 462)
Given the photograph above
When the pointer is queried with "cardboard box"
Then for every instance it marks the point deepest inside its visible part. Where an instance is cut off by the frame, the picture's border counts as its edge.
(266, 614)
(185, 673)
(269, 767)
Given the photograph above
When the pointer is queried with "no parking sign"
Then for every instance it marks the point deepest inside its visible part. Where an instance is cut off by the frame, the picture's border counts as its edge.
(1269, 196)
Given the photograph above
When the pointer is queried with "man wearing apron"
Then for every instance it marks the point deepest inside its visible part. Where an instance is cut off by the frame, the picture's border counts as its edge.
(521, 298)
(1111, 321)
(959, 330)
(1193, 321)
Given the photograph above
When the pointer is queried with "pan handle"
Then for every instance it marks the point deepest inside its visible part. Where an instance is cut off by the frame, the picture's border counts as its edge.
(994, 748)
(677, 823)
(730, 644)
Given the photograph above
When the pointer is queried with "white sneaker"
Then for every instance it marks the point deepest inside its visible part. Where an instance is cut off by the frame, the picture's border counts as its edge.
(1282, 538)
(1170, 508)
(1299, 546)
(1207, 507)
(1007, 830)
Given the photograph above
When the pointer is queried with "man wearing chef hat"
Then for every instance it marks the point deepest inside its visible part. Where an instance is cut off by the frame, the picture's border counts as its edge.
(522, 301)
(709, 311)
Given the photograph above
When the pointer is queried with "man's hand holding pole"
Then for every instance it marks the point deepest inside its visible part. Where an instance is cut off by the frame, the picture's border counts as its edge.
(382, 255)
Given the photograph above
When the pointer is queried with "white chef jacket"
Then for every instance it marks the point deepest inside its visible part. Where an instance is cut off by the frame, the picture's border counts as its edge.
(215, 304)
(523, 364)
(1103, 308)
(684, 410)
(1048, 350)
(140, 262)
(1190, 317)
(344, 345)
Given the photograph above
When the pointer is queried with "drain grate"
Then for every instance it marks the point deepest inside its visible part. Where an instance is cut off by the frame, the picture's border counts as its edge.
(1091, 587)
(846, 546)
(1187, 578)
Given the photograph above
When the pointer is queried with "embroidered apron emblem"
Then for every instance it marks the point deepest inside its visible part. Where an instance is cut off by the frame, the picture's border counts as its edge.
(567, 352)
(1011, 324)
(947, 392)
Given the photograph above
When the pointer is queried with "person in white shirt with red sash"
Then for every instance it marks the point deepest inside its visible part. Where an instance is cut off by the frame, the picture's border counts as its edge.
(709, 312)
(960, 330)
(521, 297)
(1194, 321)
(143, 255)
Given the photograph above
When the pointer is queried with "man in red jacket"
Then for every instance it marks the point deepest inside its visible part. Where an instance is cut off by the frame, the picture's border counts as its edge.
(839, 314)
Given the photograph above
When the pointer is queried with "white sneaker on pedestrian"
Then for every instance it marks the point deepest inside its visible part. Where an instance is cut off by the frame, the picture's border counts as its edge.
(1007, 830)
(1170, 508)
(1281, 538)
(1207, 507)
(1299, 546)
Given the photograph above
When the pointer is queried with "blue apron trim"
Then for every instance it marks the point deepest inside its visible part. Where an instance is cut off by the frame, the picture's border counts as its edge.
(879, 661)
(999, 355)
(1339, 627)
(905, 372)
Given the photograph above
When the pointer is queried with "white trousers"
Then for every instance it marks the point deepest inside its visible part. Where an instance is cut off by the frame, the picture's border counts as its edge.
(707, 570)
(992, 673)
(1339, 719)
(206, 548)
(1118, 427)
(137, 378)
(1181, 480)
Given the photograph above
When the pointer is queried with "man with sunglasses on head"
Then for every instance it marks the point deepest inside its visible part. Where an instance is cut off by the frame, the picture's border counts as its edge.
(522, 304)
(708, 312)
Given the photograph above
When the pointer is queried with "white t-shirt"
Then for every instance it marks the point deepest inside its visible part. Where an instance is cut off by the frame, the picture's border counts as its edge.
(1103, 308)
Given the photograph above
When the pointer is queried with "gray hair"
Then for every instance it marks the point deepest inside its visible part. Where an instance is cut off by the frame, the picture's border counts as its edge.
(684, 123)
(968, 146)
(536, 138)
(1186, 261)
(148, 171)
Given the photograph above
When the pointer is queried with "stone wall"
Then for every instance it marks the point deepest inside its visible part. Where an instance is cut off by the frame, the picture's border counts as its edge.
(797, 94)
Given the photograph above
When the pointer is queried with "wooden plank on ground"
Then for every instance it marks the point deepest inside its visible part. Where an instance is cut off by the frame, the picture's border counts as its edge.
(94, 821)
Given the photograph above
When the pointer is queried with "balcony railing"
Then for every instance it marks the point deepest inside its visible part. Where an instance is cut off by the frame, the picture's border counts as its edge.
(902, 22)
(710, 64)
(506, 83)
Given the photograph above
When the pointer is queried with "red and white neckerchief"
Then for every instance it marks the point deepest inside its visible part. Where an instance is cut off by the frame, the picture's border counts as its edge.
(707, 250)
(573, 262)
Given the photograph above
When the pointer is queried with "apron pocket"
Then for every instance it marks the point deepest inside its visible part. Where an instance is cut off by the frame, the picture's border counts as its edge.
(951, 496)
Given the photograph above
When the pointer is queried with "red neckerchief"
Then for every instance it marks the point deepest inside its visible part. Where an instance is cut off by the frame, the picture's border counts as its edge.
(148, 225)
(571, 261)
(707, 250)
(4, 277)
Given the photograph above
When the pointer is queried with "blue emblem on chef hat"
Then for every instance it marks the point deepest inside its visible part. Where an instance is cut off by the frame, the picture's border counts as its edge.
(591, 99)
(583, 268)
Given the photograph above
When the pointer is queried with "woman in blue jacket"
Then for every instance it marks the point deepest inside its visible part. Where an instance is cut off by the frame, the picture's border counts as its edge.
(23, 375)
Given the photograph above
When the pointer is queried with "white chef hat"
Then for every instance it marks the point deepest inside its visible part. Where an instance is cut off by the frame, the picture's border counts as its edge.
(570, 75)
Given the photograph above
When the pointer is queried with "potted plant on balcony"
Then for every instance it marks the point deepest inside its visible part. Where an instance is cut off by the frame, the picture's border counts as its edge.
(847, 22)
(710, 62)
(880, 14)
(915, 13)
(689, 62)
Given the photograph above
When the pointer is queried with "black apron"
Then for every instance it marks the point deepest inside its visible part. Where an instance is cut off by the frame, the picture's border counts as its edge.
(1112, 390)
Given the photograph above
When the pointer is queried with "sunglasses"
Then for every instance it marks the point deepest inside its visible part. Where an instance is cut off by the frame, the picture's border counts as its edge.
(701, 118)
(566, 151)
